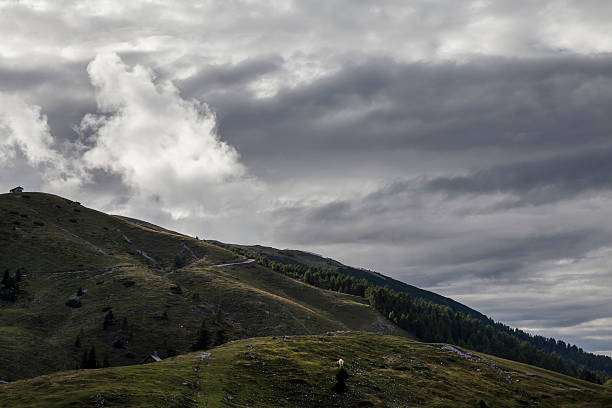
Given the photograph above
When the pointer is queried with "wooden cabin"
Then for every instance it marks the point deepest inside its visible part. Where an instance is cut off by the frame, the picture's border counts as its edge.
(151, 358)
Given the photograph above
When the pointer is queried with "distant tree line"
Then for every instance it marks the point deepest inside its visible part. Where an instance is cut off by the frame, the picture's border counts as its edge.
(432, 322)
(435, 323)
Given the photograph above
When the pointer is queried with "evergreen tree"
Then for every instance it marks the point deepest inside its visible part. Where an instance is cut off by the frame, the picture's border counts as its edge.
(106, 362)
(179, 262)
(203, 340)
(91, 359)
(77, 342)
(109, 320)
(84, 361)
(74, 303)
(220, 337)
(308, 277)
(219, 318)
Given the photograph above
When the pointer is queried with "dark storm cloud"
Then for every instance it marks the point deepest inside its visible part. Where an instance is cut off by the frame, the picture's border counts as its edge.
(450, 243)
(18, 78)
(537, 181)
(576, 312)
(329, 212)
(108, 184)
(381, 104)
(515, 254)
(62, 90)
(232, 76)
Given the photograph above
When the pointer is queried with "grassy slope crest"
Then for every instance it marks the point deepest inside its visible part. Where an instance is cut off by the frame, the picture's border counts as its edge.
(299, 371)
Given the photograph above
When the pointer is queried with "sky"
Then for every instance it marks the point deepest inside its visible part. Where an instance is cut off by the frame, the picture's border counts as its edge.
(462, 147)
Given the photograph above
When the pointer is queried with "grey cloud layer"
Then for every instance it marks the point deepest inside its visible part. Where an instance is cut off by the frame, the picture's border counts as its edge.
(382, 104)
(538, 181)
(461, 146)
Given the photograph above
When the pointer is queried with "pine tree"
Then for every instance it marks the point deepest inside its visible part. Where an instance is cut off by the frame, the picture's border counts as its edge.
(77, 342)
(203, 338)
(124, 324)
(84, 361)
(308, 278)
(109, 320)
(219, 317)
(220, 337)
(179, 262)
(91, 359)
(106, 362)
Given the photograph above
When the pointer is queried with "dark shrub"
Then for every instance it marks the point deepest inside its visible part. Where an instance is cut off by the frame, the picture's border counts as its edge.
(74, 303)
(120, 344)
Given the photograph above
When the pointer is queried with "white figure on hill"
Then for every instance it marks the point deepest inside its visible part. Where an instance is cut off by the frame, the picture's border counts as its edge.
(341, 363)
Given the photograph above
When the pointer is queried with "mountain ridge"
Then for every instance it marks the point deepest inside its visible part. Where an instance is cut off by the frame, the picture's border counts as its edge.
(292, 256)
(128, 288)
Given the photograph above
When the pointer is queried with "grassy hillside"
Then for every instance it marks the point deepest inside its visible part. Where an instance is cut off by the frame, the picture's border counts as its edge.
(300, 371)
(159, 286)
(307, 259)
(45, 233)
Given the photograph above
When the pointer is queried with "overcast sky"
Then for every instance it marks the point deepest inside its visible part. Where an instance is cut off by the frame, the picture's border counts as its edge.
(460, 146)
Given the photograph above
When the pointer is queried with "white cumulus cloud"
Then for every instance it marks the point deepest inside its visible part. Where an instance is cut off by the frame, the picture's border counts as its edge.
(23, 127)
(27, 146)
(164, 148)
